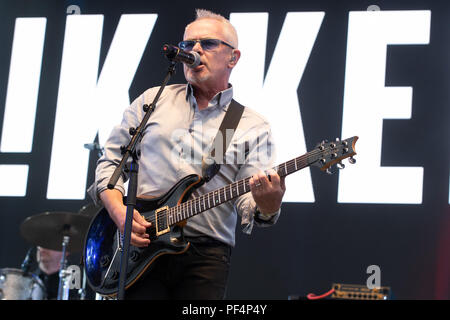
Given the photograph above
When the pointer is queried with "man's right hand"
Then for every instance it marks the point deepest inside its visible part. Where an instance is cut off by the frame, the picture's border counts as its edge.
(112, 200)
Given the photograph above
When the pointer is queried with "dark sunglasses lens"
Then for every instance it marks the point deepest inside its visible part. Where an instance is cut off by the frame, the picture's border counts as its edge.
(209, 44)
(186, 45)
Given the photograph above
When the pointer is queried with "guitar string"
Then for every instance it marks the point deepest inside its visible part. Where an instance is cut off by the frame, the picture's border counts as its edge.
(196, 202)
(289, 166)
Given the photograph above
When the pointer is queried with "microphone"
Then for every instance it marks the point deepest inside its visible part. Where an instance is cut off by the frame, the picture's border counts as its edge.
(173, 53)
(28, 261)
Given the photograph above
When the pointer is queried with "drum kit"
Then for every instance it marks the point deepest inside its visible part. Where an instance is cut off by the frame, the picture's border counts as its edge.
(58, 231)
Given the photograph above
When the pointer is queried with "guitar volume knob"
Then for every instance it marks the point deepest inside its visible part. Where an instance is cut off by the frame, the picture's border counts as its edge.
(134, 256)
(115, 275)
(104, 261)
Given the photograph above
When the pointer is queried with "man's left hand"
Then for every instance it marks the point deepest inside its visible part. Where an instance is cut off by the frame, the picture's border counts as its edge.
(267, 191)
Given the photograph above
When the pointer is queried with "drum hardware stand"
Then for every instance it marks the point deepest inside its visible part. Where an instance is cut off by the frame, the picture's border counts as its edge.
(82, 290)
(63, 288)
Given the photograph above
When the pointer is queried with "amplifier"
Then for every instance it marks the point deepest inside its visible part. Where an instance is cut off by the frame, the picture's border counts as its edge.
(359, 292)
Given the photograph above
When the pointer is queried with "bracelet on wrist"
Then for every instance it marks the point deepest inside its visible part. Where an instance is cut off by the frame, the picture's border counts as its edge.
(262, 216)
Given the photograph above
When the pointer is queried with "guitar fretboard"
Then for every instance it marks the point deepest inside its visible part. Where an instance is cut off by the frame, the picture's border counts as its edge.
(214, 198)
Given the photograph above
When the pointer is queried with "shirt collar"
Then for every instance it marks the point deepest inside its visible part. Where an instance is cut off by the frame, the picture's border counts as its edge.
(222, 99)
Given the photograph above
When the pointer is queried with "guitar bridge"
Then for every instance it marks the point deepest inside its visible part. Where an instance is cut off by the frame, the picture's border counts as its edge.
(162, 221)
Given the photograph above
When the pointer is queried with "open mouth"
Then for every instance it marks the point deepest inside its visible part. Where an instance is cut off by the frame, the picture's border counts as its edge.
(199, 67)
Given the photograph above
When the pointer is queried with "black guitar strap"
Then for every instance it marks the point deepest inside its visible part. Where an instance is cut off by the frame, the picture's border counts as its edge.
(229, 124)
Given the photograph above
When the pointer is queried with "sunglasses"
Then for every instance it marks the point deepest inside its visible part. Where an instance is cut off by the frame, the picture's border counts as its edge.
(207, 44)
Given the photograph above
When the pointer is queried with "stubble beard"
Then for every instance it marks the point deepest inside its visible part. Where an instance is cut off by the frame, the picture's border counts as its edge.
(196, 79)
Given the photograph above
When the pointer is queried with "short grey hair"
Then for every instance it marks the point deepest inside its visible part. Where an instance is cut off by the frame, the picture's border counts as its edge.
(230, 31)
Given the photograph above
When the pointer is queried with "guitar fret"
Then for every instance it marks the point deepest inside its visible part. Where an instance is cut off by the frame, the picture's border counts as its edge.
(214, 198)
(179, 216)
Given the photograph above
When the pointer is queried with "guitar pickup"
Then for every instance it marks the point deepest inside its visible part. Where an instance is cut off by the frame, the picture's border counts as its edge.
(162, 221)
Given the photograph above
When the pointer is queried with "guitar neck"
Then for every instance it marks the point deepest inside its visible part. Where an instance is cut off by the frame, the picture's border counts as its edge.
(217, 197)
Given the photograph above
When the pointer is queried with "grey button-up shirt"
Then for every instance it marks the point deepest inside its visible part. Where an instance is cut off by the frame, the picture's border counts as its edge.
(175, 139)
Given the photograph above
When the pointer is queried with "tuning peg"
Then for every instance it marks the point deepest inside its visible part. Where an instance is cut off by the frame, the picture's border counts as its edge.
(328, 171)
(352, 160)
(340, 165)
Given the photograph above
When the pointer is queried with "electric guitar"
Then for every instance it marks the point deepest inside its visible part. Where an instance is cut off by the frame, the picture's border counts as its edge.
(168, 214)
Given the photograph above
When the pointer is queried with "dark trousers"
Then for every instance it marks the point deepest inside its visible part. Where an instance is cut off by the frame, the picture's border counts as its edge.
(199, 273)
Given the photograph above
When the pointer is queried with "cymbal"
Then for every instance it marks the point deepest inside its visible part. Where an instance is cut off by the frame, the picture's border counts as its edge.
(48, 229)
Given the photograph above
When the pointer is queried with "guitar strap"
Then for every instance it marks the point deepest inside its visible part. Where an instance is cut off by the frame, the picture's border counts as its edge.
(210, 167)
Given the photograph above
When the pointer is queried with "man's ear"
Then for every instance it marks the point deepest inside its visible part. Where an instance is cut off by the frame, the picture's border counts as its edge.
(235, 56)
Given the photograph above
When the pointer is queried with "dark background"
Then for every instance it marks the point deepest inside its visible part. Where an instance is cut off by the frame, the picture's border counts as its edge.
(312, 245)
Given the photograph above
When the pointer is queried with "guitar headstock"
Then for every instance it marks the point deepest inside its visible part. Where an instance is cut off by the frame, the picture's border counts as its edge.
(326, 154)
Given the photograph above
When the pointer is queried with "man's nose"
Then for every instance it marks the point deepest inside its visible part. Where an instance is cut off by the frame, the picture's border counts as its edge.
(197, 47)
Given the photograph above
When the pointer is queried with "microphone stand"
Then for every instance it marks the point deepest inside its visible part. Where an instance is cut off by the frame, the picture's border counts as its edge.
(128, 151)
